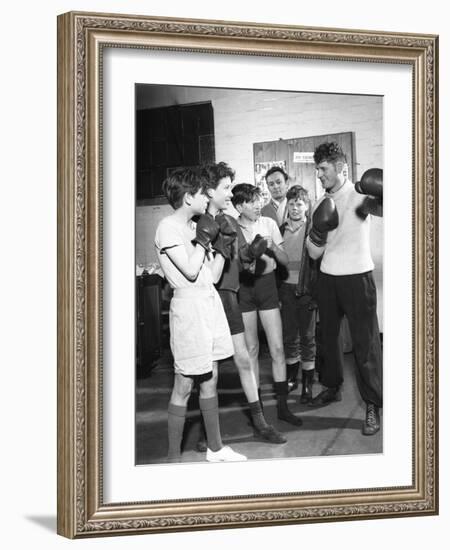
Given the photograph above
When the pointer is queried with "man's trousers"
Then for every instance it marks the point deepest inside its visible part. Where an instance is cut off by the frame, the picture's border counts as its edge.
(355, 297)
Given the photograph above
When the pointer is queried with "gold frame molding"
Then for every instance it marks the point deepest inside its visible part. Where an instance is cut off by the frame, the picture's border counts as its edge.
(81, 38)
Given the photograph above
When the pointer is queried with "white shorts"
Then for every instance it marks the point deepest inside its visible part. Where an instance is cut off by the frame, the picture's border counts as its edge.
(199, 331)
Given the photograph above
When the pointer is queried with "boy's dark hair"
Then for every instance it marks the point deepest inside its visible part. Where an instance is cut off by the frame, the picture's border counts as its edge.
(180, 182)
(244, 192)
(274, 169)
(214, 172)
(298, 192)
(329, 152)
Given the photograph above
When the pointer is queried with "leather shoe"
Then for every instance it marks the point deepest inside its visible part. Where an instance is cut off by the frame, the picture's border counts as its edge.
(372, 422)
(269, 435)
(307, 386)
(201, 445)
(325, 397)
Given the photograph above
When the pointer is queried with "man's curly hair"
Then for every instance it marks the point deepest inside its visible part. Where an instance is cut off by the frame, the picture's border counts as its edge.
(329, 152)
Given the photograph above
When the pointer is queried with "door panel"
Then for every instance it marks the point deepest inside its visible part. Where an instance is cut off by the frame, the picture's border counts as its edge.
(303, 173)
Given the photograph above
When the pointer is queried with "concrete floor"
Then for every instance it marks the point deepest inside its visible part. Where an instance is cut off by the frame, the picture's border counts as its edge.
(331, 430)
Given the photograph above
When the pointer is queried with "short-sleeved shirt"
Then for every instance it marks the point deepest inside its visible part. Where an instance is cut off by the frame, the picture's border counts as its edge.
(199, 332)
(172, 232)
(266, 227)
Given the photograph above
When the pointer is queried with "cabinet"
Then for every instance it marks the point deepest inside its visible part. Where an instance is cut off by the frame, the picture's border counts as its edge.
(148, 320)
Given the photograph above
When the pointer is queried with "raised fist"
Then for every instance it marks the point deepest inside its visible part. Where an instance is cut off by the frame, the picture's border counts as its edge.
(325, 218)
(206, 231)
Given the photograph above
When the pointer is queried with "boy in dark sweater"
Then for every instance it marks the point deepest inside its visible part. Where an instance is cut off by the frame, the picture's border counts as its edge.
(238, 254)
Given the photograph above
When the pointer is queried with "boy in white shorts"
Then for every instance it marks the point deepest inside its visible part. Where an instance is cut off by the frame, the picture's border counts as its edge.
(199, 333)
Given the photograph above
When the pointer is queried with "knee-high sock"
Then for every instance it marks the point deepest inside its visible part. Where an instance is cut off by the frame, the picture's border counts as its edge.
(257, 415)
(260, 399)
(176, 419)
(210, 412)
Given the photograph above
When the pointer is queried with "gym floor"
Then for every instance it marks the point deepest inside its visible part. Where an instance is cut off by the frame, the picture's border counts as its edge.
(331, 430)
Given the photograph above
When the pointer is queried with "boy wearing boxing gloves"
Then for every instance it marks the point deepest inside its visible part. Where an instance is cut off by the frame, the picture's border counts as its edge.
(340, 234)
(199, 333)
(238, 254)
(258, 293)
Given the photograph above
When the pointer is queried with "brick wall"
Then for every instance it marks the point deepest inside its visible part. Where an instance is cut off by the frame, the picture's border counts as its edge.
(243, 117)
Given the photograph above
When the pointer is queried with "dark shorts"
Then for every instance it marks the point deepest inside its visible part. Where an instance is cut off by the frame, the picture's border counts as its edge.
(233, 313)
(199, 378)
(258, 293)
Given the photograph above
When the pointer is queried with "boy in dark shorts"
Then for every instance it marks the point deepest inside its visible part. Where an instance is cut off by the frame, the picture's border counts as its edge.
(236, 252)
(199, 333)
(258, 292)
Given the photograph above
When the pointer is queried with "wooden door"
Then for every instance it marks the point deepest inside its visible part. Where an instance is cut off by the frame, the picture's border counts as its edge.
(297, 155)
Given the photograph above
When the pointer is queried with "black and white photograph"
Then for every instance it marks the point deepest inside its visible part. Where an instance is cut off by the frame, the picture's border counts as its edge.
(259, 274)
(247, 283)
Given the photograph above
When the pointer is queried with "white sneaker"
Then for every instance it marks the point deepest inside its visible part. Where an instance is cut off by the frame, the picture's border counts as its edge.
(225, 454)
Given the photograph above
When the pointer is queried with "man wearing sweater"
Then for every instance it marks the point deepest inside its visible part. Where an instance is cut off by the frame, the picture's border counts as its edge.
(340, 234)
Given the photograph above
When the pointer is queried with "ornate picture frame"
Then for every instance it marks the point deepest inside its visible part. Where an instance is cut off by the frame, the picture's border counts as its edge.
(82, 38)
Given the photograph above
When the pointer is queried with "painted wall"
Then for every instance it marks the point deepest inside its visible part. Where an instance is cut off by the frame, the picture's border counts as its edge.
(245, 117)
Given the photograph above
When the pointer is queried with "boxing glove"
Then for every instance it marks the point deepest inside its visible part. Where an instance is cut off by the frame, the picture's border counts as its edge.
(248, 253)
(206, 231)
(225, 225)
(325, 218)
(257, 247)
(369, 205)
(224, 245)
(371, 183)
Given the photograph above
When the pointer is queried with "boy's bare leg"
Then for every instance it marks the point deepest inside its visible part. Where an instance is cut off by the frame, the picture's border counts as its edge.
(271, 322)
(243, 363)
(248, 381)
(209, 408)
(251, 340)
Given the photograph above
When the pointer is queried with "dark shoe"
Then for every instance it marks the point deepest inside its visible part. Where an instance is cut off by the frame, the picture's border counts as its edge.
(292, 374)
(281, 390)
(201, 445)
(325, 397)
(307, 385)
(372, 423)
(287, 416)
(269, 435)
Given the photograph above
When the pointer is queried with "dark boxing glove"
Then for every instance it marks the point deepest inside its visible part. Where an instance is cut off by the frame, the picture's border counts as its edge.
(257, 247)
(325, 218)
(371, 183)
(248, 253)
(206, 231)
(226, 237)
(224, 245)
(370, 205)
(226, 227)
